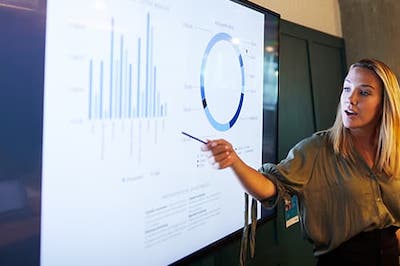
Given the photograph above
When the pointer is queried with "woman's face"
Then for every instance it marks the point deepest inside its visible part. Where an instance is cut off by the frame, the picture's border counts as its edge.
(361, 100)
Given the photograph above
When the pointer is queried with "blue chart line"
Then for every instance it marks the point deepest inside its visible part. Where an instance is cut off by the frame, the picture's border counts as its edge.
(126, 97)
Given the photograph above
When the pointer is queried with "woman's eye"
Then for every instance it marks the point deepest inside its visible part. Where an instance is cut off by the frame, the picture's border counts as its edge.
(364, 93)
(346, 89)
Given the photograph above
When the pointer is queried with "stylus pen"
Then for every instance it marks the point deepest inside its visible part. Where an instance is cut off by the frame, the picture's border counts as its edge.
(193, 137)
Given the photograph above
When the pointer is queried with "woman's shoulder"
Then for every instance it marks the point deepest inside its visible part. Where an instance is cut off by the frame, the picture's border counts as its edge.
(315, 141)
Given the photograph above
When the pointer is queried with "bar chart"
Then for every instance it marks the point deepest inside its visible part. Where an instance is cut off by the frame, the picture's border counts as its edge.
(124, 95)
(117, 91)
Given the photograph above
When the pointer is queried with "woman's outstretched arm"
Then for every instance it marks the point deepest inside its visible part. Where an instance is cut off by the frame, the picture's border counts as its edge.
(253, 181)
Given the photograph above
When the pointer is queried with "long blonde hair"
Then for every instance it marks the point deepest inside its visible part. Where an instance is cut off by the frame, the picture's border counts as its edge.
(387, 158)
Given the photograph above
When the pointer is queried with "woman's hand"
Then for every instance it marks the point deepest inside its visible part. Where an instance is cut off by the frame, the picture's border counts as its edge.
(224, 155)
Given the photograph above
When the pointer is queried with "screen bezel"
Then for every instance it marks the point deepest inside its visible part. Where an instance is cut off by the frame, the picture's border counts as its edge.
(31, 175)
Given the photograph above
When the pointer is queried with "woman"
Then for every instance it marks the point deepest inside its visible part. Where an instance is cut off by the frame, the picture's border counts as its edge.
(347, 178)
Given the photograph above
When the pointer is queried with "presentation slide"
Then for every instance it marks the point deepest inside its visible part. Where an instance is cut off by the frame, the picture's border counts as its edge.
(121, 184)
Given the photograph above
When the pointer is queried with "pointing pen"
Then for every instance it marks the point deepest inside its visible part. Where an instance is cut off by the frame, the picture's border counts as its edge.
(193, 137)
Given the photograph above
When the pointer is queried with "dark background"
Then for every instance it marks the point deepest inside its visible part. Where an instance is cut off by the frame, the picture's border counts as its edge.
(22, 45)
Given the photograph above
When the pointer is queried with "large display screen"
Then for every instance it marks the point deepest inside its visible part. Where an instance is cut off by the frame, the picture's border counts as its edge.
(120, 85)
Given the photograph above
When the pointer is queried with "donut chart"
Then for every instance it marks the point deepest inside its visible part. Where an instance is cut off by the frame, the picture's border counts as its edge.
(221, 37)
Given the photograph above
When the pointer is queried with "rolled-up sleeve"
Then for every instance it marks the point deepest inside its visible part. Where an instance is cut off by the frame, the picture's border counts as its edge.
(293, 173)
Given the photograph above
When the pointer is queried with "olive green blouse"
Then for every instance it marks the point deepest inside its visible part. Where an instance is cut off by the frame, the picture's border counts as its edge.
(338, 197)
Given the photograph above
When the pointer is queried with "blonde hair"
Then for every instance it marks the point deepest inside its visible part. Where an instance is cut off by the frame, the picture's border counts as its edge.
(387, 158)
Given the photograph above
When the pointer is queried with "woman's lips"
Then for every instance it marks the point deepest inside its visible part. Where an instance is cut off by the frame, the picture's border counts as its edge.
(350, 113)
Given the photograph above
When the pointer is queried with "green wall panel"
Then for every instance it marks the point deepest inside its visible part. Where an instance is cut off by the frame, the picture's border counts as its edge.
(295, 119)
(327, 68)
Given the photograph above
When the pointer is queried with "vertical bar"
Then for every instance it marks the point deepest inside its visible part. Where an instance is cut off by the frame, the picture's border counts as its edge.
(158, 105)
(90, 87)
(154, 91)
(111, 65)
(130, 92)
(151, 84)
(143, 106)
(121, 74)
(116, 79)
(96, 101)
(147, 64)
(126, 88)
(101, 89)
(138, 81)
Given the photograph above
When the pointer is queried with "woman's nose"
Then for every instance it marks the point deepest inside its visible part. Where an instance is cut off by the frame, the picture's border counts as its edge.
(352, 97)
